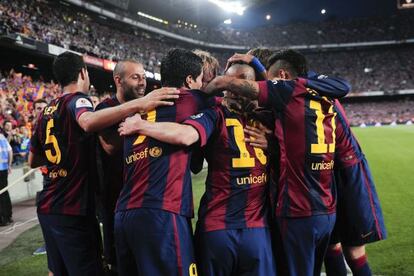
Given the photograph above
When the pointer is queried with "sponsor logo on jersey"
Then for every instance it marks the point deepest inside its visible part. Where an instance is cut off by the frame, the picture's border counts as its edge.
(135, 156)
(323, 166)
(252, 180)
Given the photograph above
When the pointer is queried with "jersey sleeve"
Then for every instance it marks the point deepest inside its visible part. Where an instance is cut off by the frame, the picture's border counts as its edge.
(79, 105)
(204, 122)
(275, 94)
(333, 87)
(347, 149)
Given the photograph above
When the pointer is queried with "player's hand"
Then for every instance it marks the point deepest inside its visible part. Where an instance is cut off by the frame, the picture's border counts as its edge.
(131, 125)
(164, 96)
(246, 58)
(257, 137)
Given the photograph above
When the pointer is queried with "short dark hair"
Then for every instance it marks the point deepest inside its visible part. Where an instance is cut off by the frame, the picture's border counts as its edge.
(290, 60)
(66, 67)
(120, 67)
(38, 101)
(262, 54)
(177, 65)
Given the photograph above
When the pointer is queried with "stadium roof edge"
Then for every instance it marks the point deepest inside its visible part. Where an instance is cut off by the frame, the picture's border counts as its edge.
(127, 20)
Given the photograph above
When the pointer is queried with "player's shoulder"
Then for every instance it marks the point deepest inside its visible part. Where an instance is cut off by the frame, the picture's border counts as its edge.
(78, 100)
(108, 102)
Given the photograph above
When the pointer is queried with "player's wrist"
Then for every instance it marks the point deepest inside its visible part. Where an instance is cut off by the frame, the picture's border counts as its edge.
(257, 65)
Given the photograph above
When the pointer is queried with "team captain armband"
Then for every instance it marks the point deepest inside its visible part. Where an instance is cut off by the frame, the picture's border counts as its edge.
(257, 65)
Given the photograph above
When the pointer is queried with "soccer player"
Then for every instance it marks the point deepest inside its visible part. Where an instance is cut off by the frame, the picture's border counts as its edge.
(359, 215)
(61, 141)
(130, 81)
(232, 235)
(306, 203)
(152, 222)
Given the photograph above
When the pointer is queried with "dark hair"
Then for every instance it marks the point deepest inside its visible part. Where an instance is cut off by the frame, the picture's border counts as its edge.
(39, 101)
(262, 54)
(6, 121)
(290, 60)
(177, 65)
(66, 68)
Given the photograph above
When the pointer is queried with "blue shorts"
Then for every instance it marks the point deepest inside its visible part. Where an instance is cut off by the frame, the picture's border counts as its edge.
(72, 244)
(305, 241)
(235, 252)
(153, 242)
(359, 215)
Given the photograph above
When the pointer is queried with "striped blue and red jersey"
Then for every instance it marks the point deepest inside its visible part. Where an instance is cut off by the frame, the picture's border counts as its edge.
(112, 167)
(306, 134)
(156, 174)
(348, 150)
(70, 182)
(236, 184)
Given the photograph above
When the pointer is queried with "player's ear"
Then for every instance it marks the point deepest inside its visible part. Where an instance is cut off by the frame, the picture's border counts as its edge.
(117, 79)
(284, 75)
(189, 80)
(83, 73)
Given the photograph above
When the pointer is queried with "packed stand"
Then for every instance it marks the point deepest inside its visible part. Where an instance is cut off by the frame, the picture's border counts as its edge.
(384, 112)
(367, 70)
(17, 94)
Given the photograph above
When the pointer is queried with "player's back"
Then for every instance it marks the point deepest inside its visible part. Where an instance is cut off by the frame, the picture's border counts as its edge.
(69, 183)
(157, 175)
(306, 133)
(236, 184)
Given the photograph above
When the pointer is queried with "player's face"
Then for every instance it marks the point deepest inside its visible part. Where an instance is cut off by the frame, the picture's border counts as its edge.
(197, 83)
(208, 76)
(95, 101)
(134, 82)
(39, 108)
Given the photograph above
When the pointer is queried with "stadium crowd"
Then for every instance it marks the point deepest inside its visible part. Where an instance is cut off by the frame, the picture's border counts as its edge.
(368, 70)
(17, 94)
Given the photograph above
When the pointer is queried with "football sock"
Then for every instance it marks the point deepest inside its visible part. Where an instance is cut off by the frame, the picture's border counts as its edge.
(334, 262)
(360, 266)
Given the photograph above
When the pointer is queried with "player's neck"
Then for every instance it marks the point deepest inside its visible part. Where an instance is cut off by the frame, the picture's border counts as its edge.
(119, 97)
(73, 88)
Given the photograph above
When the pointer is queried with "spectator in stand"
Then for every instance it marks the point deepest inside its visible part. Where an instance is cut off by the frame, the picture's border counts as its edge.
(6, 157)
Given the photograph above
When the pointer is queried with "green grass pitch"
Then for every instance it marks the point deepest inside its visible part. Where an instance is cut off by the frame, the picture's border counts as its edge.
(390, 152)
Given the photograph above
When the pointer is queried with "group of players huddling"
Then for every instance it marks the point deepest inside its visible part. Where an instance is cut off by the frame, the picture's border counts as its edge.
(287, 187)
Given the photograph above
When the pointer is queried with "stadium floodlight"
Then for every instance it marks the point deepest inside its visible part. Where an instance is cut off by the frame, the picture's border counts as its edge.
(227, 21)
(233, 6)
(323, 11)
(268, 17)
(153, 18)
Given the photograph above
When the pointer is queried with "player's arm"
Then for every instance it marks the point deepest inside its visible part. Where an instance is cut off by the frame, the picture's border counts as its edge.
(110, 141)
(91, 121)
(171, 133)
(333, 87)
(36, 160)
(252, 61)
(246, 88)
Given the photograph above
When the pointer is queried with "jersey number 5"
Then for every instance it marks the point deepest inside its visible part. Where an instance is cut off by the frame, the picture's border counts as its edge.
(245, 160)
(51, 139)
